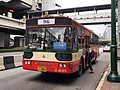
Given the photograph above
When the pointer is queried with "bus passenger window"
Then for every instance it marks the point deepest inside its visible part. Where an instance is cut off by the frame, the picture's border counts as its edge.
(81, 40)
(92, 41)
(34, 37)
(68, 38)
(74, 39)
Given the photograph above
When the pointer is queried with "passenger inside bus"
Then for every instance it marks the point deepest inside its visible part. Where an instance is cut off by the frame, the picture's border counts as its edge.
(46, 38)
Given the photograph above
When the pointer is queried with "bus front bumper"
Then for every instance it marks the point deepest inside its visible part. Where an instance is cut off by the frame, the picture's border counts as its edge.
(53, 67)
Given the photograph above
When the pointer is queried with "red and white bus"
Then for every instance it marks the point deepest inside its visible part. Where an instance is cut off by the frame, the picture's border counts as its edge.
(56, 44)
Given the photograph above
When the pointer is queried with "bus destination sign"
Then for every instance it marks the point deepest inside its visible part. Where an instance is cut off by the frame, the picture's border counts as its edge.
(46, 21)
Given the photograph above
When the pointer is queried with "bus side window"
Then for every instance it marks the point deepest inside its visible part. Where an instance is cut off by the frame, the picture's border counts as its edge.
(74, 39)
(67, 33)
(81, 40)
(91, 41)
(34, 37)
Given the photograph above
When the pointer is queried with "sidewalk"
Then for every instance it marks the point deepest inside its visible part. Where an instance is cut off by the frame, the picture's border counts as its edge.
(105, 85)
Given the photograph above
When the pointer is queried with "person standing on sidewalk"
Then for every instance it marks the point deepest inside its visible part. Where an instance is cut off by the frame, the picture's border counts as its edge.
(89, 58)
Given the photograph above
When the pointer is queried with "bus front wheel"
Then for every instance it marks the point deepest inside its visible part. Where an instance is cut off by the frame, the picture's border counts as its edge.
(81, 69)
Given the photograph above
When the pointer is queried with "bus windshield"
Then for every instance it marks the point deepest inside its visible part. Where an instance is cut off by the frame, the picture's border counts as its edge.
(50, 38)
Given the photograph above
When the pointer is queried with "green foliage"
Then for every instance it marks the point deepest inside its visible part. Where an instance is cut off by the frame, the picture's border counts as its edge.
(17, 49)
(103, 43)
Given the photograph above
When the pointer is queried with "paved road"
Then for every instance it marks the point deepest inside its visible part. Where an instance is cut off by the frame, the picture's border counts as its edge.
(19, 79)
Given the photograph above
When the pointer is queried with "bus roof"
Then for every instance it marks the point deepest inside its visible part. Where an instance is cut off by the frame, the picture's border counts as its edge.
(72, 20)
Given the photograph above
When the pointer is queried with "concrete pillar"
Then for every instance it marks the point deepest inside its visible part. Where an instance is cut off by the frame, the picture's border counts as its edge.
(118, 23)
(4, 40)
(22, 43)
(19, 41)
(1, 39)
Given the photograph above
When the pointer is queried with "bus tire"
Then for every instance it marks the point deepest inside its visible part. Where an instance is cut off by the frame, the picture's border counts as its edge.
(81, 69)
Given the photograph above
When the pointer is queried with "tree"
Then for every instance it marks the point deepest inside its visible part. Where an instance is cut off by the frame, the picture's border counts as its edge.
(103, 43)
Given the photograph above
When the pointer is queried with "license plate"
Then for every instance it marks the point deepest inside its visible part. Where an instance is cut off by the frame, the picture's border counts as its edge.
(42, 69)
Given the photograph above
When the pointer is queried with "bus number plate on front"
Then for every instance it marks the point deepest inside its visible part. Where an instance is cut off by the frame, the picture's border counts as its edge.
(42, 69)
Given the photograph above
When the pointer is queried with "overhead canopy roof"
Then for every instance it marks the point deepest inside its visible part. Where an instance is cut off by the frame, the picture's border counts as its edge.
(6, 0)
(14, 5)
(21, 8)
(71, 10)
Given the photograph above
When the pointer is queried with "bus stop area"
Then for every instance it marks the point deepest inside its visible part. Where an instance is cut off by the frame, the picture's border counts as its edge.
(106, 85)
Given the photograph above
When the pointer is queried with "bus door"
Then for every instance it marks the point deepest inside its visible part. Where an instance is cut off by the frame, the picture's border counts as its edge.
(81, 41)
(87, 40)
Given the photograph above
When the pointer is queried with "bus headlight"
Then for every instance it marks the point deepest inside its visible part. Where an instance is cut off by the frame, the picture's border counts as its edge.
(64, 65)
(27, 62)
(61, 65)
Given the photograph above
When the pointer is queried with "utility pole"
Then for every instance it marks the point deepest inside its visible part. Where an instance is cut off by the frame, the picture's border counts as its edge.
(113, 76)
(119, 23)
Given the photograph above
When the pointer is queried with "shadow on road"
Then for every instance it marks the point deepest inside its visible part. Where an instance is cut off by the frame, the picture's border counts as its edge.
(57, 78)
(53, 78)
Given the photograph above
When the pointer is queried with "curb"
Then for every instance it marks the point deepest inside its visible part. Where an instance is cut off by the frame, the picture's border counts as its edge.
(102, 80)
(104, 84)
(9, 62)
